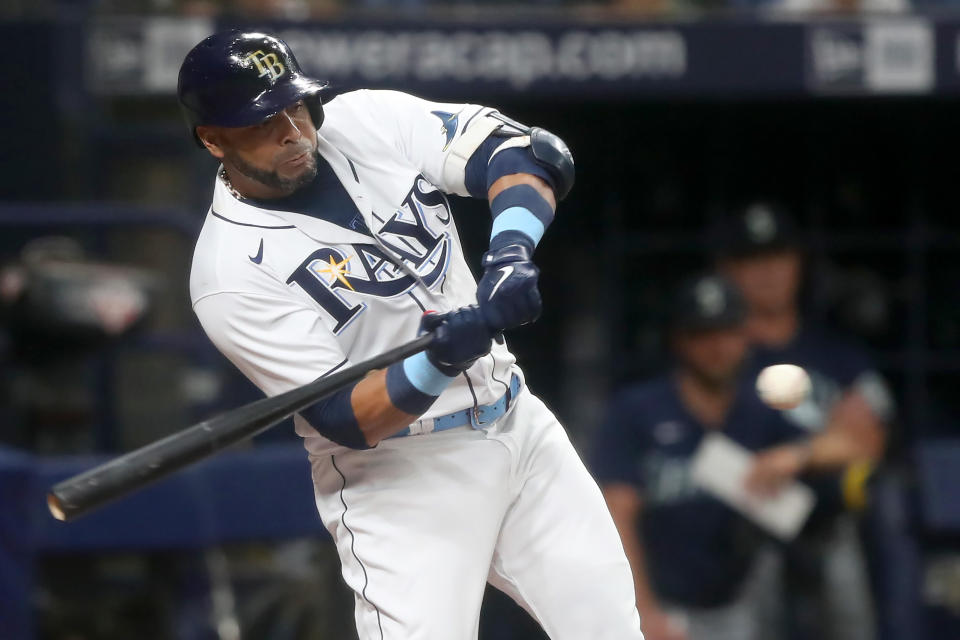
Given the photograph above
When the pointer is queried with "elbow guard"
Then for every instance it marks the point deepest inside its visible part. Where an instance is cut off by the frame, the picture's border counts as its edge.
(547, 149)
(552, 154)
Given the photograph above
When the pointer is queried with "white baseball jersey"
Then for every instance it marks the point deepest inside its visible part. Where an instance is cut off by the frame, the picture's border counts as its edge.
(289, 297)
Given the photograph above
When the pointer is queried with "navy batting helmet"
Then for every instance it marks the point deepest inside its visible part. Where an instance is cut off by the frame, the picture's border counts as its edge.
(236, 79)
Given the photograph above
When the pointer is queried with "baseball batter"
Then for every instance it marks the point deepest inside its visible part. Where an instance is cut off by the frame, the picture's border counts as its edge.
(330, 240)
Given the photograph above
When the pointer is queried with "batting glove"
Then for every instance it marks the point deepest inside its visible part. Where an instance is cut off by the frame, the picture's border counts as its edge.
(459, 338)
(507, 292)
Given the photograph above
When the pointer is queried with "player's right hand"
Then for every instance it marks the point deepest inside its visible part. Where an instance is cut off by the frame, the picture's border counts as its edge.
(507, 292)
(460, 338)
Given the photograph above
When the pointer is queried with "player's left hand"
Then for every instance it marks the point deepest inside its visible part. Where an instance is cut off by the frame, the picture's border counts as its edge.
(460, 338)
(507, 293)
(775, 467)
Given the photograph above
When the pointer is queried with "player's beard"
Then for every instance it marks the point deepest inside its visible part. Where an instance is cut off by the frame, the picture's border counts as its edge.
(272, 179)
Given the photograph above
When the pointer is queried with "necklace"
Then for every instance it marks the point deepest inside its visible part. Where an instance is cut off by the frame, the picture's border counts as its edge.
(229, 185)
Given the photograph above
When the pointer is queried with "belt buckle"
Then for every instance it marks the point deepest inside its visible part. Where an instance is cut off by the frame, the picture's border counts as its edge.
(475, 421)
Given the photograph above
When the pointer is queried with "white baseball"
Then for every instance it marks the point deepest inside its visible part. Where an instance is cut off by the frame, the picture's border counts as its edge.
(783, 386)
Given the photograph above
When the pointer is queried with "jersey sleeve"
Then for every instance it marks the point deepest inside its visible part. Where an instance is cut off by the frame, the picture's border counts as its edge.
(617, 445)
(276, 342)
(437, 137)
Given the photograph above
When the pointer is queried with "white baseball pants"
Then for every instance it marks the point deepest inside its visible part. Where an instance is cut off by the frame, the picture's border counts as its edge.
(422, 523)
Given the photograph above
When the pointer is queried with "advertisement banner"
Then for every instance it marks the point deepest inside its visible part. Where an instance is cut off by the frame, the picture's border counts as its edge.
(888, 56)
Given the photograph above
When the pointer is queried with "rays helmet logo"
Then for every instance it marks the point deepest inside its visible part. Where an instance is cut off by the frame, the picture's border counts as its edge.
(267, 64)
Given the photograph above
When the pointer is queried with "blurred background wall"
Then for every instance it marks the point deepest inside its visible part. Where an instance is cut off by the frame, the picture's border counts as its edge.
(676, 111)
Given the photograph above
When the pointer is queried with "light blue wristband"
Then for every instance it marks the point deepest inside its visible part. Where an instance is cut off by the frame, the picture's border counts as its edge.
(414, 384)
(423, 375)
(520, 209)
(518, 219)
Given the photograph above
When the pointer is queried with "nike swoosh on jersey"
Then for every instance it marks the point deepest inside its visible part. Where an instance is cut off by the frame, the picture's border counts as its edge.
(257, 259)
(506, 274)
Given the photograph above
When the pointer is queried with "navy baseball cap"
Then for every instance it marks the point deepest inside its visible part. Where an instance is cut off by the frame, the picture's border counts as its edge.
(708, 301)
(756, 228)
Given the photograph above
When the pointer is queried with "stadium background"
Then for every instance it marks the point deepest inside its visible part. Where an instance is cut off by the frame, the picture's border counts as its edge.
(676, 112)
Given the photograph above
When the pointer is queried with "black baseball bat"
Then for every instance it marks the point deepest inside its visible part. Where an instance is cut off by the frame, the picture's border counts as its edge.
(123, 475)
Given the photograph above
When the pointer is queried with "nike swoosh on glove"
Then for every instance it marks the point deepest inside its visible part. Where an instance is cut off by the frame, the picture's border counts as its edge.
(459, 338)
(507, 293)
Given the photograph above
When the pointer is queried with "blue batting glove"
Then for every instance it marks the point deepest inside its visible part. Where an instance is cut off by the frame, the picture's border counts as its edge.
(507, 293)
(460, 338)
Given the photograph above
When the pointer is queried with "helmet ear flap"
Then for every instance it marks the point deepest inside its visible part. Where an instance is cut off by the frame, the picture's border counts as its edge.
(315, 107)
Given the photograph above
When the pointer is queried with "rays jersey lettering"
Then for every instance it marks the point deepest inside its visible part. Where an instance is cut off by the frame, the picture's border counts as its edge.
(339, 278)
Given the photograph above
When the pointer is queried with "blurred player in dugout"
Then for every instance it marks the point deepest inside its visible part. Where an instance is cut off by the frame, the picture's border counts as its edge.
(701, 570)
(828, 596)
